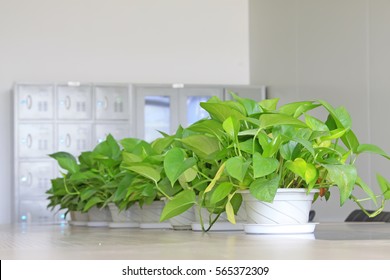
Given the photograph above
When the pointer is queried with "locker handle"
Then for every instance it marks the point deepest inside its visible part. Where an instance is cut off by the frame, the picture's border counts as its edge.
(105, 102)
(29, 179)
(29, 141)
(68, 102)
(29, 102)
(68, 140)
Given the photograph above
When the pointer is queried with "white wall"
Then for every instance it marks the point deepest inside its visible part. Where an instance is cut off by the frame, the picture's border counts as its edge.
(143, 41)
(337, 50)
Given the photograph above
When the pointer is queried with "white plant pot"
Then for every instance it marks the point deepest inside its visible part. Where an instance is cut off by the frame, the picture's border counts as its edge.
(129, 218)
(184, 220)
(99, 217)
(78, 218)
(222, 223)
(150, 216)
(289, 212)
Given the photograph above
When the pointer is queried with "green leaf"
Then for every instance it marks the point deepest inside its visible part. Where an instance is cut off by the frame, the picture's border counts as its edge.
(269, 104)
(66, 161)
(230, 212)
(270, 147)
(334, 134)
(366, 189)
(217, 176)
(175, 164)
(237, 167)
(84, 176)
(371, 148)
(350, 140)
(344, 117)
(123, 187)
(264, 190)
(129, 144)
(344, 176)
(315, 124)
(202, 145)
(92, 202)
(129, 158)
(145, 171)
(88, 193)
(298, 166)
(220, 192)
(178, 205)
(221, 111)
(291, 108)
(161, 144)
(263, 166)
(270, 120)
(384, 185)
(251, 106)
(211, 127)
(231, 126)
(189, 175)
(311, 175)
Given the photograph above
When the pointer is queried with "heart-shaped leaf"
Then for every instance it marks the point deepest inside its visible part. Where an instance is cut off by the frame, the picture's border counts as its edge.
(237, 167)
(263, 166)
(178, 205)
(175, 164)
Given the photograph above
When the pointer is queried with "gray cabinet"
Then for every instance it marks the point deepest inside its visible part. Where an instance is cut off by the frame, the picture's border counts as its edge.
(59, 117)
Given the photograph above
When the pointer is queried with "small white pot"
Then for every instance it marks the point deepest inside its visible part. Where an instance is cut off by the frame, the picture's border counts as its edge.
(99, 217)
(184, 220)
(150, 216)
(129, 218)
(289, 211)
(78, 218)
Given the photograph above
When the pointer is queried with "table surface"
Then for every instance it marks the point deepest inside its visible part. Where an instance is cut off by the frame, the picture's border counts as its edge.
(330, 241)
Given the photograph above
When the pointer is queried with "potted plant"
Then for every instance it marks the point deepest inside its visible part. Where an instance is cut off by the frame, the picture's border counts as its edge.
(143, 184)
(257, 151)
(87, 184)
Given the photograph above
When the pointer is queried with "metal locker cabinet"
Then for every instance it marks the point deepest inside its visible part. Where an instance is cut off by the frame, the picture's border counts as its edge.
(34, 178)
(117, 130)
(35, 211)
(34, 101)
(35, 140)
(74, 138)
(112, 102)
(74, 102)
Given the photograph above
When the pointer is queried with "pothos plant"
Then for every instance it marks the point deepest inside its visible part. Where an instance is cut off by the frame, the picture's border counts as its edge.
(255, 146)
(89, 181)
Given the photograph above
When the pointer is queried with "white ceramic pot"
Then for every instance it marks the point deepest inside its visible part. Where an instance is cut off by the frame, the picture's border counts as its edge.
(99, 217)
(184, 220)
(289, 212)
(78, 218)
(150, 216)
(129, 218)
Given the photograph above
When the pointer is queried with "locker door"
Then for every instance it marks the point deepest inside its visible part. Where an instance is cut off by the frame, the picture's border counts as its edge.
(34, 178)
(157, 111)
(74, 102)
(189, 103)
(35, 140)
(74, 138)
(112, 102)
(35, 211)
(117, 130)
(34, 101)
